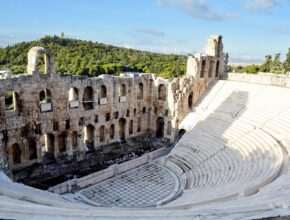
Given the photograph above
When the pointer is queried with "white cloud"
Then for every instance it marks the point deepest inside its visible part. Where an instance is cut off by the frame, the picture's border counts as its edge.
(149, 31)
(195, 8)
(263, 5)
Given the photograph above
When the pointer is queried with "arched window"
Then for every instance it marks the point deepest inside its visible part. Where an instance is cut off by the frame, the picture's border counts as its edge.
(140, 91)
(102, 95)
(203, 65)
(122, 127)
(74, 140)
(160, 127)
(123, 90)
(89, 136)
(16, 154)
(139, 124)
(131, 127)
(88, 98)
(32, 150)
(112, 131)
(62, 142)
(162, 92)
(217, 69)
(45, 100)
(102, 92)
(102, 133)
(47, 141)
(12, 101)
(45, 96)
(190, 101)
(73, 98)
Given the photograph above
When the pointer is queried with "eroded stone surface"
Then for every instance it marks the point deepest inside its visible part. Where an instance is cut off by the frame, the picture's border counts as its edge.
(48, 116)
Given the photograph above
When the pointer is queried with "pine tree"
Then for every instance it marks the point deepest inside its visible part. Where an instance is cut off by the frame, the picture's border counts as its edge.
(286, 64)
(277, 65)
(266, 66)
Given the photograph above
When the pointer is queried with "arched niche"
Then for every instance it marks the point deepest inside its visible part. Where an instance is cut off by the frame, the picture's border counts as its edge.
(32, 149)
(217, 68)
(140, 91)
(112, 131)
(203, 66)
(160, 127)
(89, 131)
(34, 55)
(73, 94)
(47, 144)
(131, 127)
(61, 140)
(16, 153)
(74, 140)
(88, 98)
(162, 92)
(122, 90)
(73, 97)
(102, 92)
(12, 101)
(45, 99)
(190, 101)
(102, 133)
(122, 128)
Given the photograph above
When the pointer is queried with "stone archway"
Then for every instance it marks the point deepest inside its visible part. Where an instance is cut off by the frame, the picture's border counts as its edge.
(33, 61)
(160, 127)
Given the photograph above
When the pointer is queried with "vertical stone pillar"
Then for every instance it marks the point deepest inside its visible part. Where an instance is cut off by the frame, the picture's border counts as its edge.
(225, 74)
(4, 164)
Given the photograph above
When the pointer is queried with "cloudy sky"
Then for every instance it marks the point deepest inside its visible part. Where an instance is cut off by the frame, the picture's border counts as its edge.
(251, 29)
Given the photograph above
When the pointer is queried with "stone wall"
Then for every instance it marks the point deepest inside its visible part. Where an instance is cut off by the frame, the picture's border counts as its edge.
(262, 78)
(45, 114)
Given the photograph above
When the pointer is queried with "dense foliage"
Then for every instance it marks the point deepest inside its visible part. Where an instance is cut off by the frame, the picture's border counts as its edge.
(269, 66)
(78, 57)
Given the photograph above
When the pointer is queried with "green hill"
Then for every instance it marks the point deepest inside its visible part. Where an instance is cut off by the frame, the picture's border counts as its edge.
(79, 57)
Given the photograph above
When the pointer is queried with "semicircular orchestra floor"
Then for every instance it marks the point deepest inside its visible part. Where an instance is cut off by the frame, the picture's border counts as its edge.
(148, 185)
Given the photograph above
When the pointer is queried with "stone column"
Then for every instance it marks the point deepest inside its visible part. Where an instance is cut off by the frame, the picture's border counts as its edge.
(4, 164)
(226, 65)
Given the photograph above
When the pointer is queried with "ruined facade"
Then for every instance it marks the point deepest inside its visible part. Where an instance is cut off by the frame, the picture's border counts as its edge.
(49, 114)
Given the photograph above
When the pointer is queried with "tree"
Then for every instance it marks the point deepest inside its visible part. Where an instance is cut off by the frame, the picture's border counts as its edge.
(286, 64)
(78, 57)
(266, 66)
(277, 65)
(252, 68)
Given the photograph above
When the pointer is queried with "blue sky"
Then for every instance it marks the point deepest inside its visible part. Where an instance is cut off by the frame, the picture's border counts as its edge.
(251, 29)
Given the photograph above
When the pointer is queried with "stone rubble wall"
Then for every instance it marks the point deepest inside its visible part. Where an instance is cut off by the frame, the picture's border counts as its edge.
(262, 78)
(53, 125)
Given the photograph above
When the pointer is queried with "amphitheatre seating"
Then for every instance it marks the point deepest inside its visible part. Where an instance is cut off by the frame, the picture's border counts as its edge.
(229, 164)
